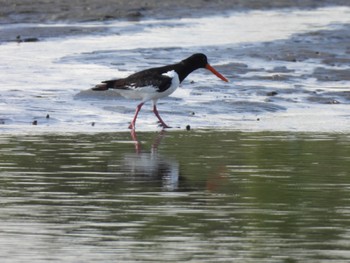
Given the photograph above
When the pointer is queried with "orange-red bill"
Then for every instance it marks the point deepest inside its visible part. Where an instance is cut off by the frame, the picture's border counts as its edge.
(216, 73)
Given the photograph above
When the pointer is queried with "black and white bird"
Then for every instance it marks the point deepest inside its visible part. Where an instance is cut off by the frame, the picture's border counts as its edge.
(155, 83)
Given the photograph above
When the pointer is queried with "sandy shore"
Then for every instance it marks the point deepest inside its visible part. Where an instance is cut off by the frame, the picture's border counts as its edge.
(29, 11)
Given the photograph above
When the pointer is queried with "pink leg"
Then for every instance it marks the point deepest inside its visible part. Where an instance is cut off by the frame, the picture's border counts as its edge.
(132, 124)
(159, 118)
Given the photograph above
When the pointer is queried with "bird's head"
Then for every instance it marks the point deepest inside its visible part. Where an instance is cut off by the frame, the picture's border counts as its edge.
(200, 60)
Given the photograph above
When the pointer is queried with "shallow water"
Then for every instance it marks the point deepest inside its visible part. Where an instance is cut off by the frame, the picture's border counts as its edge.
(77, 187)
(198, 196)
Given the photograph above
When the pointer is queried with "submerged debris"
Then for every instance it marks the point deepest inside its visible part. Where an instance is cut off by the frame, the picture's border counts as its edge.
(19, 39)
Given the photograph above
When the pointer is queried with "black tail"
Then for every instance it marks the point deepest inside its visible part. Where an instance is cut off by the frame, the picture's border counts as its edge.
(108, 84)
(102, 86)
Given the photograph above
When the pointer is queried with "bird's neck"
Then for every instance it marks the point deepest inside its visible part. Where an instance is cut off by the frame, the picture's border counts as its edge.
(182, 69)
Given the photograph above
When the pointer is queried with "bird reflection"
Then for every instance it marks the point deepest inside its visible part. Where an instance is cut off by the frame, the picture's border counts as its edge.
(149, 164)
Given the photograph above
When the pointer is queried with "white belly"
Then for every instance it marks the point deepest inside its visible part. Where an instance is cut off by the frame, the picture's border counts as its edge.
(175, 83)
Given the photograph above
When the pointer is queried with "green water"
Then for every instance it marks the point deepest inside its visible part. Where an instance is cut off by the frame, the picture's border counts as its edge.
(198, 196)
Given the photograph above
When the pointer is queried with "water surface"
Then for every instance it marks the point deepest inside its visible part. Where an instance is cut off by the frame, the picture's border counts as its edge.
(198, 196)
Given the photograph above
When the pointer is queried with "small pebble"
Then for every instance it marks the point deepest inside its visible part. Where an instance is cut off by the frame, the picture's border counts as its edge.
(333, 102)
(272, 93)
(188, 128)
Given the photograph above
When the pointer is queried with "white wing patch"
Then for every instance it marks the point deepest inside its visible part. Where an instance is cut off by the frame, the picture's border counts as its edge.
(170, 74)
(131, 86)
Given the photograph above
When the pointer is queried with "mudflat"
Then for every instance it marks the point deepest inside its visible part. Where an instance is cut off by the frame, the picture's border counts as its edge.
(48, 12)
(306, 69)
(29, 11)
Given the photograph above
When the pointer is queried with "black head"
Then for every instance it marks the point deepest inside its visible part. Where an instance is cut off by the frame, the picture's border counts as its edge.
(198, 60)
(194, 62)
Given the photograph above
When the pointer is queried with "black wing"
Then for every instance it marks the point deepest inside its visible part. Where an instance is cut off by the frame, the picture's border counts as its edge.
(149, 77)
(159, 82)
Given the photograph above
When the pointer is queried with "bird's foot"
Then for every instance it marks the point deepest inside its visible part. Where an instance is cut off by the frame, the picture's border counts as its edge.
(163, 125)
(131, 126)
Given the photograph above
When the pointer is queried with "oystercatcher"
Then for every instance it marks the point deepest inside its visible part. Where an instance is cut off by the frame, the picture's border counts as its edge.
(155, 83)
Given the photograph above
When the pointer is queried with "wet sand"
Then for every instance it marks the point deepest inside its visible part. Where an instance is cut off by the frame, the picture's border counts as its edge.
(45, 11)
(24, 11)
(277, 81)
